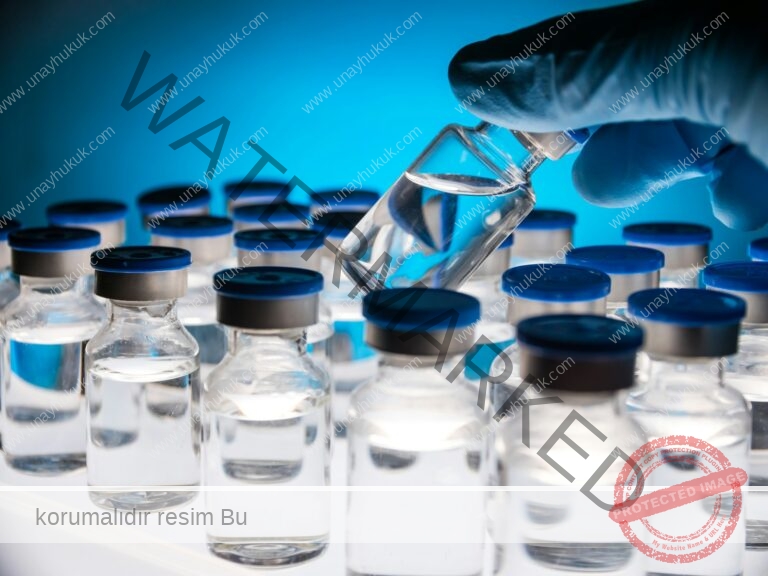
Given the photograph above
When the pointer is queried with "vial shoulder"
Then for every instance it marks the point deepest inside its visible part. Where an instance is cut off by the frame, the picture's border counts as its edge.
(137, 340)
(62, 312)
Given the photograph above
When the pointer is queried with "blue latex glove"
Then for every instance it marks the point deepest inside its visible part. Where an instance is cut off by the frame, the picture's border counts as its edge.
(579, 76)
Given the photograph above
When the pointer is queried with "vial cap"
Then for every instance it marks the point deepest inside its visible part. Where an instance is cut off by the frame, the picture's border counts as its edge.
(613, 259)
(258, 191)
(141, 259)
(7, 228)
(267, 282)
(758, 249)
(556, 283)
(337, 224)
(53, 239)
(193, 227)
(508, 241)
(403, 309)
(737, 276)
(279, 215)
(337, 200)
(667, 234)
(167, 197)
(85, 212)
(688, 307)
(287, 240)
(585, 335)
(548, 220)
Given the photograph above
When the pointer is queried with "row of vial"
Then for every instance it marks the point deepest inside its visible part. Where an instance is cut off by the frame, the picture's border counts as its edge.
(264, 411)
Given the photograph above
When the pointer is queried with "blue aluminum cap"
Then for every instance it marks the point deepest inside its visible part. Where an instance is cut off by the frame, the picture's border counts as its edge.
(337, 225)
(667, 234)
(267, 282)
(85, 212)
(257, 191)
(7, 228)
(687, 307)
(173, 198)
(617, 259)
(193, 227)
(758, 250)
(277, 240)
(284, 213)
(737, 276)
(556, 283)
(548, 220)
(53, 239)
(580, 334)
(359, 200)
(403, 309)
(141, 259)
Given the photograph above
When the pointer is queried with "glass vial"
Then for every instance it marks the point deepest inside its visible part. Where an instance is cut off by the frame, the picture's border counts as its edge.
(284, 247)
(545, 236)
(747, 372)
(256, 216)
(105, 216)
(457, 202)
(326, 202)
(143, 386)
(267, 419)
(209, 240)
(631, 268)
(411, 426)
(685, 247)
(688, 338)
(160, 203)
(573, 364)
(255, 192)
(46, 329)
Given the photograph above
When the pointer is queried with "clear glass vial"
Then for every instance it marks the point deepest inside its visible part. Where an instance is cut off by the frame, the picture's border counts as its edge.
(284, 247)
(46, 329)
(209, 240)
(758, 250)
(267, 419)
(576, 367)
(107, 217)
(252, 217)
(747, 372)
(685, 247)
(631, 268)
(457, 202)
(332, 201)
(410, 426)
(160, 203)
(142, 383)
(687, 339)
(544, 236)
(257, 192)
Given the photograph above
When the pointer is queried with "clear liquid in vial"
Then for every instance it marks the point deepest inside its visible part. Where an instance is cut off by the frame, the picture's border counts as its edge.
(280, 440)
(44, 407)
(212, 341)
(132, 443)
(436, 228)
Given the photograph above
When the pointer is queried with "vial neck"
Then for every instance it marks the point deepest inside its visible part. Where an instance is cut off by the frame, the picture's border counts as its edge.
(664, 371)
(163, 311)
(53, 286)
(247, 341)
(421, 369)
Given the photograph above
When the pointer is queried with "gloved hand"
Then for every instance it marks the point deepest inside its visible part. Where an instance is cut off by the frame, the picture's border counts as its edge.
(663, 80)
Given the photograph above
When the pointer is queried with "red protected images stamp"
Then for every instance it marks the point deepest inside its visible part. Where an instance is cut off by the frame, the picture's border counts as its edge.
(715, 477)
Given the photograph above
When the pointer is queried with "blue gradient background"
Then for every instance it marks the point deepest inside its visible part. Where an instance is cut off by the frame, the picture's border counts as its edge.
(263, 82)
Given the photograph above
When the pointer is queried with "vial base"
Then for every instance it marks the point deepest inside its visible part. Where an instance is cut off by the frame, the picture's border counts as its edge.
(268, 552)
(143, 500)
(46, 465)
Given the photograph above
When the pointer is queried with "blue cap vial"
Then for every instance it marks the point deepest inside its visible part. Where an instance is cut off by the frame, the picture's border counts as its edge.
(339, 201)
(207, 238)
(254, 192)
(174, 200)
(667, 234)
(556, 283)
(280, 215)
(51, 252)
(542, 219)
(85, 212)
(749, 280)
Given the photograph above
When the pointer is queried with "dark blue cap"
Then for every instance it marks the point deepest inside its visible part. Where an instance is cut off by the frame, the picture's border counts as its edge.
(617, 259)
(508, 241)
(337, 224)
(283, 214)
(687, 307)
(7, 228)
(548, 220)
(267, 282)
(667, 234)
(85, 212)
(277, 240)
(258, 191)
(184, 197)
(141, 259)
(193, 227)
(403, 309)
(580, 334)
(53, 239)
(336, 200)
(556, 283)
(737, 276)
(758, 249)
